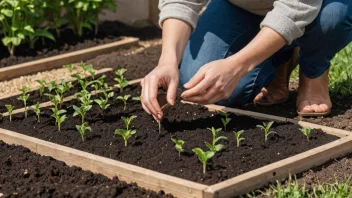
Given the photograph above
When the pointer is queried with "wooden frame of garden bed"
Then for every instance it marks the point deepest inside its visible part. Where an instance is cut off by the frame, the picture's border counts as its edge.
(153, 180)
(53, 62)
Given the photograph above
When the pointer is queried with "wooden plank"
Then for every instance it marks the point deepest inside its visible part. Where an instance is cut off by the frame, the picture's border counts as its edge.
(63, 59)
(143, 177)
(279, 170)
(49, 103)
(101, 71)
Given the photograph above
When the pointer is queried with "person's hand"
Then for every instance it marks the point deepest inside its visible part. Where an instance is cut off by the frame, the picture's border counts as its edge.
(165, 76)
(213, 82)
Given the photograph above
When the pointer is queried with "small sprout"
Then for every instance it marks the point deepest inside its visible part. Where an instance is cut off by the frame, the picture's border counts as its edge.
(41, 87)
(178, 145)
(59, 116)
(85, 84)
(84, 97)
(24, 97)
(123, 82)
(126, 134)
(96, 87)
(70, 67)
(226, 120)
(62, 89)
(238, 137)
(128, 120)
(36, 110)
(137, 98)
(203, 157)
(82, 111)
(51, 85)
(124, 100)
(85, 67)
(266, 128)
(306, 132)
(10, 109)
(213, 146)
(83, 128)
(78, 76)
(92, 72)
(103, 104)
(55, 99)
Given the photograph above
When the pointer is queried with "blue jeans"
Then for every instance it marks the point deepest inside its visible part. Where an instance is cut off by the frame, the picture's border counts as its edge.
(224, 29)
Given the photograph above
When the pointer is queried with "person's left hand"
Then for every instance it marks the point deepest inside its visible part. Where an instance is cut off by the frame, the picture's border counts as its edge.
(213, 82)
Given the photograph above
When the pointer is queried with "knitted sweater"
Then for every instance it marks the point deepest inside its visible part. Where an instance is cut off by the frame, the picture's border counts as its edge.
(287, 17)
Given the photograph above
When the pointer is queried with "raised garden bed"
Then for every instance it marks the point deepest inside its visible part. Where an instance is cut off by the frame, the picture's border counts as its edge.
(26, 174)
(250, 166)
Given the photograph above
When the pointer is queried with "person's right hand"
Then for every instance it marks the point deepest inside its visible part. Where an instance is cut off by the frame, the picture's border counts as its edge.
(165, 76)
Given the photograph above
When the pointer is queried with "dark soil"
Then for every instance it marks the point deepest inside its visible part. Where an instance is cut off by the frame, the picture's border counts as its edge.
(155, 151)
(25, 174)
(68, 42)
(340, 117)
(138, 65)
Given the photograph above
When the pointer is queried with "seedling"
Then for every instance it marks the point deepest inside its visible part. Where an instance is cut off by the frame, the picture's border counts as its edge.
(24, 97)
(123, 82)
(126, 134)
(266, 128)
(78, 76)
(62, 89)
(103, 104)
(70, 67)
(82, 111)
(36, 110)
(225, 120)
(55, 99)
(128, 120)
(238, 137)
(92, 72)
(85, 84)
(59, 116)
(178, 145)
(83, 128)
(137, 98)
(41, 87)
(306, 132)
(10, 109)
(51, 85)
(124, 100)
(213, 146)
(203, 157)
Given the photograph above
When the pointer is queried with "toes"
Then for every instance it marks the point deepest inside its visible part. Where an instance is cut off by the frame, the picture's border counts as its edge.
(305, 107)
(317, 108)
(324, 107)
(258, 97)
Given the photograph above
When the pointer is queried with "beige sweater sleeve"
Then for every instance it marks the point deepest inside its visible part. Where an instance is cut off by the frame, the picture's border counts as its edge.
(290, 17)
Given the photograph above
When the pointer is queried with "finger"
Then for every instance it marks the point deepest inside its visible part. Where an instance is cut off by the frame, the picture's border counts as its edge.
(152, 94)
(209, 97)
(145, 98)
(199, 89)
(195, 79)
(143, 95)
(171, 92)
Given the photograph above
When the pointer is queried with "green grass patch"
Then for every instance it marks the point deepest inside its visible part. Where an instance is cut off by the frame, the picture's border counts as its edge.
(340, 74)
(294, 190)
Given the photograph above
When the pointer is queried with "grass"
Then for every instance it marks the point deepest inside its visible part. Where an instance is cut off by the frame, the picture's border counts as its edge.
(294, 190)
(340, 74)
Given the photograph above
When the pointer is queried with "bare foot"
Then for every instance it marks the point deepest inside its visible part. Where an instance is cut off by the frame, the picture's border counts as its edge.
(277, 91)
(313, 96)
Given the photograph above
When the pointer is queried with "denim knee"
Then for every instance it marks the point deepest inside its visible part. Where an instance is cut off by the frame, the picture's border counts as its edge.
(327, 35)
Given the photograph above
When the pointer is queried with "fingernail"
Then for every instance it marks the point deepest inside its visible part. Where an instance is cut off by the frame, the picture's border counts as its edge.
(172, 101)
(155, 118)
(159, 117)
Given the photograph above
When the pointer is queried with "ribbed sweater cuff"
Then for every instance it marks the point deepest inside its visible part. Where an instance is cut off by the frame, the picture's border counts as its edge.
(179, 11)
(282, 25)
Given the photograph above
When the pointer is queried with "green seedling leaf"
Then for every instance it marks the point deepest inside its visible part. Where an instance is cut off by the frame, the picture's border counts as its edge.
(36, 110)
(124, 100)
(83, 128)
(238, 137)
(266, 128)
(59, 116)
(306, 132)
(125, 133)
(178, 145)
(69, 67)
(225, 120)
(41, 87)
(214, 147)
(10, 109)
(203, 157)
(128, 121)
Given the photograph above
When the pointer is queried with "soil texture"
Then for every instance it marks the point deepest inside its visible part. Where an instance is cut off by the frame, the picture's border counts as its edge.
(26, 174)
(108, 32)
(149, 149)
